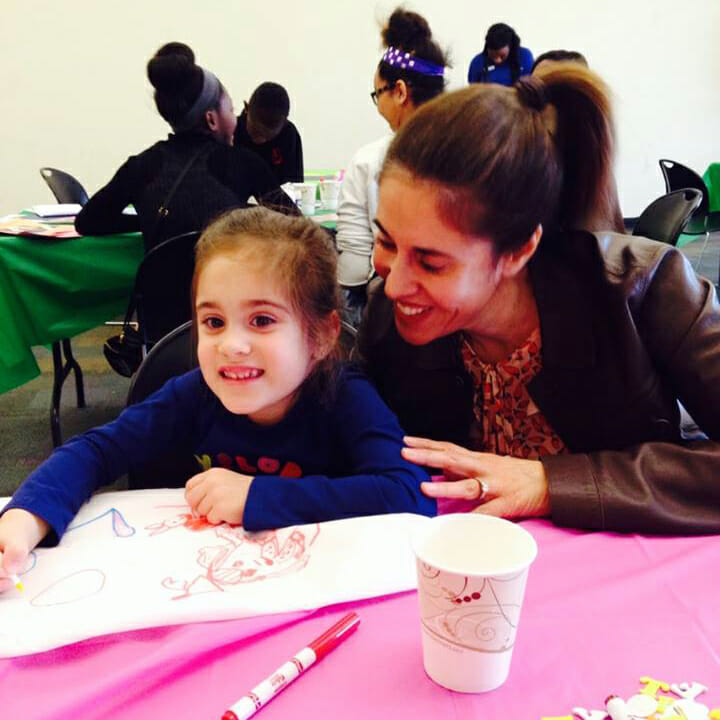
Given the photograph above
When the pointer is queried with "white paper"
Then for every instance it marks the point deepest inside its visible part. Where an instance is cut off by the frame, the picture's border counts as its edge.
(137, 559)
(56, 210)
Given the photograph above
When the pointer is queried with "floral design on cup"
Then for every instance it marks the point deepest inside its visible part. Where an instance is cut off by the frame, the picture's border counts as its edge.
(475, 613)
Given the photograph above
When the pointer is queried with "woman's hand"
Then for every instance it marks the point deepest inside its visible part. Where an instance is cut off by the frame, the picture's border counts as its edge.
(20, 532)
(505, 486)
(219, 495)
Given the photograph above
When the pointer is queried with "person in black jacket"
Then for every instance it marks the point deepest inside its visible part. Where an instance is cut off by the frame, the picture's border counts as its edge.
(208, 175)
(264, 128)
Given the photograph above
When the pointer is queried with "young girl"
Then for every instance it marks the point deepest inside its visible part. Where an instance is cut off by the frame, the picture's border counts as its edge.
(282, 434)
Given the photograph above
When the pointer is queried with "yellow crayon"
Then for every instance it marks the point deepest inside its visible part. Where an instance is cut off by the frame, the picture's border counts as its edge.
(17, 582)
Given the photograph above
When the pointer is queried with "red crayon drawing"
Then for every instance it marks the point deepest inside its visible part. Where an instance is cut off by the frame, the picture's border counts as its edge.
(242, 557)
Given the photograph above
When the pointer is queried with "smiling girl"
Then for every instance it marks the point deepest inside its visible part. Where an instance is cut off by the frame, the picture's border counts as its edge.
(285, 435)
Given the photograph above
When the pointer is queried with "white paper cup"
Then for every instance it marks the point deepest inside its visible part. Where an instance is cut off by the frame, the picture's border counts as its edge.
(472, 571)
(308, 193)
(329, 194)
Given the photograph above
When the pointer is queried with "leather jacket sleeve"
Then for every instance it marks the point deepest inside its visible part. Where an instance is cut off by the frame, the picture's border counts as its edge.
(657, 486)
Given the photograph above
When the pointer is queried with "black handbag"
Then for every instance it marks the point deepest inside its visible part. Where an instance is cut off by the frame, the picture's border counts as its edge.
(124, 352)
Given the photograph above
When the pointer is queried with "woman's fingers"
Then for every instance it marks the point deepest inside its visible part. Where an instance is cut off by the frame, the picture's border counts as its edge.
(428, 444)
(446, 459)
(468, 489)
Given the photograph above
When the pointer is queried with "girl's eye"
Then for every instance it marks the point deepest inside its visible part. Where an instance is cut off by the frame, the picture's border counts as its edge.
(262, 321)
(213, 322)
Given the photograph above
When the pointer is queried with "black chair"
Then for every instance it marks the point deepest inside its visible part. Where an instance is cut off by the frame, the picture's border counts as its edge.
(678, 177)
(348, 334)
(162, 287)
(64, 186)
(664, 218)
(173, 355)
(66, 189)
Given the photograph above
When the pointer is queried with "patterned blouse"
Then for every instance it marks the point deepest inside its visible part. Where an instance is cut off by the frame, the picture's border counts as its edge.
(507, 421)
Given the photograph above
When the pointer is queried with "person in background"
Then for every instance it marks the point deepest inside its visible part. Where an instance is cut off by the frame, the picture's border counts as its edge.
(280, 432)
(264, 128)
(559, 56)
(502, 60)
(538, 365)
(410, 72)
(212, 175)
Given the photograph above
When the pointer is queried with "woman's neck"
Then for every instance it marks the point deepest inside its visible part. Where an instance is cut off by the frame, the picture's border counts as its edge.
(507, 323)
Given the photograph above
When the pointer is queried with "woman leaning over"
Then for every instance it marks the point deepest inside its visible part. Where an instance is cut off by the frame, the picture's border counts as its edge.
(195, 172)
(551, 358)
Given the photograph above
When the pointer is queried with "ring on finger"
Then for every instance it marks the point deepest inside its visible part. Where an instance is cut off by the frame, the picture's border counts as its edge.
(483, 489)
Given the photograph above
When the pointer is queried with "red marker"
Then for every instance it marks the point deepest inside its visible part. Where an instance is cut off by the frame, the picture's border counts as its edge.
(261, 695)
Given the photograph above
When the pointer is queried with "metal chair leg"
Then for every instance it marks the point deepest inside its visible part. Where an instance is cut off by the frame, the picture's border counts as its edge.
(74, 365)
(61, 369)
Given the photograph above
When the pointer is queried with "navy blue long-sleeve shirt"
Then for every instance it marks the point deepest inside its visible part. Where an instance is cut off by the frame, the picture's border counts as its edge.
(318, 463)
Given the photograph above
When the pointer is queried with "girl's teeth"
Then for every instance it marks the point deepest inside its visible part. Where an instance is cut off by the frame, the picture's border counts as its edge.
(241, 376)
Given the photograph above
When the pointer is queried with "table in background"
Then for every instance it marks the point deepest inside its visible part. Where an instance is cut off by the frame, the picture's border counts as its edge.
(601, 611)
(52, 289)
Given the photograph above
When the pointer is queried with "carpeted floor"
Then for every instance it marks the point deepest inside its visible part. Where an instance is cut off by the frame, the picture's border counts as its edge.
(25, 412)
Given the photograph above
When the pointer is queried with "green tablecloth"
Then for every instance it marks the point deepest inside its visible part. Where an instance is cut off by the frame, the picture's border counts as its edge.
(53, 289)
(712, 180)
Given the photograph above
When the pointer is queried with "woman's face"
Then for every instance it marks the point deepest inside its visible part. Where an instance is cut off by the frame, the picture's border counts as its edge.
(222, 121)
(439, 279)
(498, 56)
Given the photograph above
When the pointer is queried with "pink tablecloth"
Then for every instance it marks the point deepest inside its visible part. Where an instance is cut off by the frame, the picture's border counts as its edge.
(601, 611)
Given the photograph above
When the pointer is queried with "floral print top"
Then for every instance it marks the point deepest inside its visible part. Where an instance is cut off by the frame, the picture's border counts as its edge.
(507, 421)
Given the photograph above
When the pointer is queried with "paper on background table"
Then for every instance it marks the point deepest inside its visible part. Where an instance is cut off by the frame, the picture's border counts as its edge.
(56, 209)
(134, 560)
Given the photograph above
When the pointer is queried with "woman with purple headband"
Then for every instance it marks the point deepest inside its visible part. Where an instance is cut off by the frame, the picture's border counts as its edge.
(410, 72)
(214, 175)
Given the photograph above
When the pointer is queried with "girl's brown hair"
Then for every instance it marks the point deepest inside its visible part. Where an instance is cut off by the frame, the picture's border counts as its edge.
(507, 159)
(299, 255)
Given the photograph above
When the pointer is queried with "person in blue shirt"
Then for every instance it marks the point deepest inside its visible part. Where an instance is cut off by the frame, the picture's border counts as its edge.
(502, 60)
(281, 432)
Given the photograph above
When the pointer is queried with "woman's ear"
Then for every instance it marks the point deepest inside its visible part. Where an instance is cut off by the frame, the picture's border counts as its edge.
(328, 338)
(212, 120)
(510, 264)
(401, 91)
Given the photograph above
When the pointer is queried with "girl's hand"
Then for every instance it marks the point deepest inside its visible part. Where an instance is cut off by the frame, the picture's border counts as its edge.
(20, 532)
(505, 486)
(219, 495)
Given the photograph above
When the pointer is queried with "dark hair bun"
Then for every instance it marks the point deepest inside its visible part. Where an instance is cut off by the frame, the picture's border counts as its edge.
(406, 30)
(173, 68)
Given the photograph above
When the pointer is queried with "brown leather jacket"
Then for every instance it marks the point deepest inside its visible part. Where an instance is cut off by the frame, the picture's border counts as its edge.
(628, 330)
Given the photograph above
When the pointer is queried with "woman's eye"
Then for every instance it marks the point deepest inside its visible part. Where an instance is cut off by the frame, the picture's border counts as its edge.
(385, 244)
(431, 268)
(212, 322)
(262, 321)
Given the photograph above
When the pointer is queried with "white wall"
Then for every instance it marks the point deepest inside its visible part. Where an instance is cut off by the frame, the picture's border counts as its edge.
(74, 92)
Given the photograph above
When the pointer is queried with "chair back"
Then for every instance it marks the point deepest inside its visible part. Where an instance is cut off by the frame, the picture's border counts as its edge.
(664, 218)
(64, 186)
(173, 355)
(162, 287)
(679, 176)
(348, 334)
